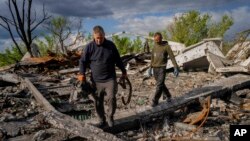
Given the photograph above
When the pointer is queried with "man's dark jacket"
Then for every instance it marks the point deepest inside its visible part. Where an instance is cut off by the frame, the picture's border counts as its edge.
(102, 60)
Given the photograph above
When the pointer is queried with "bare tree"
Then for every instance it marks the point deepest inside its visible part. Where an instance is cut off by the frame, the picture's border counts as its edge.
(22, 21)
(61, 28)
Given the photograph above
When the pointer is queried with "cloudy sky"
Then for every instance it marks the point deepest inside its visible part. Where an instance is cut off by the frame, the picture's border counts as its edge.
(139, 16)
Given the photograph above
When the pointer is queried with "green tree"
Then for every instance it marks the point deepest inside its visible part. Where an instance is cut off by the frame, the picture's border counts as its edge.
(125, 45)
(189, 28)
(219, 29)
(137, 45)
(48, 45)
(192, 27)
(11, 55)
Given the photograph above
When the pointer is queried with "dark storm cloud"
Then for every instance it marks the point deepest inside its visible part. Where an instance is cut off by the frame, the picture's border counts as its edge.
(77, 8)
(124, 8)
(4, 34)
(120, 9)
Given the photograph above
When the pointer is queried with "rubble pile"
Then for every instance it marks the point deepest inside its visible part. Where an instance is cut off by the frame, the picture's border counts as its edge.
(41, 100)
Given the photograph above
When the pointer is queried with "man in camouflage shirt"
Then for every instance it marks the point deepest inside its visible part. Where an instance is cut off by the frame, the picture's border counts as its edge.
(159, 59)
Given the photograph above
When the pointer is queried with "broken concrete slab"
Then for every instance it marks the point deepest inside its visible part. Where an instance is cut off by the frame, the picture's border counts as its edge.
(233, 69)
(217, 62)
(197, 53)
(239, 52)
(246, 63)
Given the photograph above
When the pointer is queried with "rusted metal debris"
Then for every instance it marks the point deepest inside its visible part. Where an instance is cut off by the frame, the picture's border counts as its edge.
(126, 86)
(199, 116)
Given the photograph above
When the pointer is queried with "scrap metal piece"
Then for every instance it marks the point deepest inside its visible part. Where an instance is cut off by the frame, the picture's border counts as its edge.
(126, 85)
(199, 116)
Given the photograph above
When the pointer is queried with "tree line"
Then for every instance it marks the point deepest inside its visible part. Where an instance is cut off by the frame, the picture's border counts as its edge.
(189, 28)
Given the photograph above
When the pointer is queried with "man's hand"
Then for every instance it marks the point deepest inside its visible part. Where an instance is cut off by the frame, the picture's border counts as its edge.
(124, 75)
(176, 72)
(149, 73)
(81, 77)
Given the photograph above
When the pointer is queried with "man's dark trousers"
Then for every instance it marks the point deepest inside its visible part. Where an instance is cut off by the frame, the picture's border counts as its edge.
(109, 89)
(160, 74)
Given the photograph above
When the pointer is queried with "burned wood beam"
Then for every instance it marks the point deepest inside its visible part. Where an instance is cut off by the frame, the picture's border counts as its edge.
(66, 71)
(76, 127)
(133, 118)
(8, 79)
(54, 87)
(62, 121)
(38, 96)
(5, 68)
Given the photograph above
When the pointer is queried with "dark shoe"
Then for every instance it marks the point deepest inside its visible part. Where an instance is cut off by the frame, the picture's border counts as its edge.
(164, 97)
(153, 104)
(169, 99)
(101, 124)
(110, 122)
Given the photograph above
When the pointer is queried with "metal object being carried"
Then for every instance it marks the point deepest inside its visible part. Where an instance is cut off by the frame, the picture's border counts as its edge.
(82, 89)
(126, 90)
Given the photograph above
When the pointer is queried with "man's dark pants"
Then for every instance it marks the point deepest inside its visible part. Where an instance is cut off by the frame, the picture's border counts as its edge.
(109, 89)
(160, 74)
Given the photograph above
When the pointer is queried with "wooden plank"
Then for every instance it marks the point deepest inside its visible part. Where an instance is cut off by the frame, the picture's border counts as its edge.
(38, 96)
(9, 77)
(66, 122)
(5, 68)
(125, 120)
(76, 127)
(72, 70)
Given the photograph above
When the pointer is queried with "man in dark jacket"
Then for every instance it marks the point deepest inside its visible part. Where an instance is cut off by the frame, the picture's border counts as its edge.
(101, 55)
(159, 60)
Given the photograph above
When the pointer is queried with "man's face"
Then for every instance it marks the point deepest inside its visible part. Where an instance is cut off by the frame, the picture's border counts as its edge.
(157, 39)
(99, 38)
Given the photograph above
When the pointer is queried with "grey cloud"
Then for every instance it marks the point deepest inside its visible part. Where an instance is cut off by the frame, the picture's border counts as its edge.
(130, 7)
(241, 19)
(77, 8)
(121, 9)
(124, 8)
(4, 34)
(146, 24)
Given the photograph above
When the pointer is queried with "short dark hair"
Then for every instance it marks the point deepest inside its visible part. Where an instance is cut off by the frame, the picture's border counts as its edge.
(158, 34)
(98, 29)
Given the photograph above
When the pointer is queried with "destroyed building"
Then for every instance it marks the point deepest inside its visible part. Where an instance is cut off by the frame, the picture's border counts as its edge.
(40, 99)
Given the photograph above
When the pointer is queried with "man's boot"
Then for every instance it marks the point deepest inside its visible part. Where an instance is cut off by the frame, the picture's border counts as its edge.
(101, 124)
(110, 121)
(154, 103)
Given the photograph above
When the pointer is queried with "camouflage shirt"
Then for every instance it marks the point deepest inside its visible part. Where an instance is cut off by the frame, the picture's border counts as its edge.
(160, 53)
